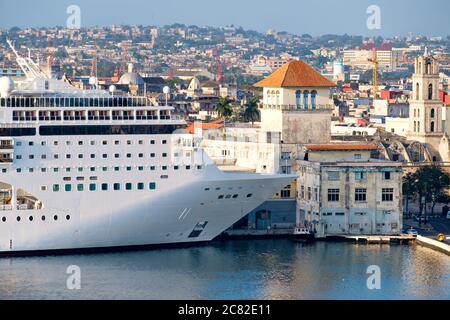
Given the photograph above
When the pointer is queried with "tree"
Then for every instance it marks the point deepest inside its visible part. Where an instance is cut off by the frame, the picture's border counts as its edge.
(224, 108)
(252, 112)
(440, 181)
(409, 188)
(431, 184)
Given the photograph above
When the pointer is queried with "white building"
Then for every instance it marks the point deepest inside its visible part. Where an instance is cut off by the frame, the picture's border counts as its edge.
(339, 129)
(243, 149)
(389, 109)
(398, 126)
(343, 191)
(296, 104)
(361, 59)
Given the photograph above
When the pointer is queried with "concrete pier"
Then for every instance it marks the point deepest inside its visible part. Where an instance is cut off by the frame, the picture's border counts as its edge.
(401, 239)
(434, 244)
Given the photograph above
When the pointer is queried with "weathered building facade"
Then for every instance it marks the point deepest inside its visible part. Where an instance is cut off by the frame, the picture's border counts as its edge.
(343, 191)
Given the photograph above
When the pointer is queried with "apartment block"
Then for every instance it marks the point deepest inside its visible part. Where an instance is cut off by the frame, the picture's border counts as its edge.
(342, 190)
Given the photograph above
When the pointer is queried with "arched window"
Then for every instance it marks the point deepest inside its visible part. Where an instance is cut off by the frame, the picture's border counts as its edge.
(432, 126)
(417, 90)
(298, 98)
(313, 99)
(432, 113)
(420, 67)
(418, 126)
(272, 100)
(305, 99)
(415, 113)
(418, 112)
(430, 91)
(415, 126)
(428, 67)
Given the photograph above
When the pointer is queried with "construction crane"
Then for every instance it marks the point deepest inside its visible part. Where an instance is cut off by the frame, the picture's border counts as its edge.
(94, 62)
(51, 57)
(124, 58)
(375, 64)
(219, 71)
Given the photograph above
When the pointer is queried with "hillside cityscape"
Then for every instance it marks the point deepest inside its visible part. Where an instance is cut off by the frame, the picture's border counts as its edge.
(231, 53)
(135, 137)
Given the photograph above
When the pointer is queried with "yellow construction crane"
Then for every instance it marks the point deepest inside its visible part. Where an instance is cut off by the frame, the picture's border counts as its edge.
(375, 63)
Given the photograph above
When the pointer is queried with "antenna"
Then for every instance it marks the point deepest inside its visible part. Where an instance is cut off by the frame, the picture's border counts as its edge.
(28, 66)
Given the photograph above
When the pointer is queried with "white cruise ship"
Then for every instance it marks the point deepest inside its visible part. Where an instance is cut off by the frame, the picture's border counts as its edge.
(85, 169)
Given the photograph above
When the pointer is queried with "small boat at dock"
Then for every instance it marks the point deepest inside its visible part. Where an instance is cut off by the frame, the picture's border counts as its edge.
(302, 235)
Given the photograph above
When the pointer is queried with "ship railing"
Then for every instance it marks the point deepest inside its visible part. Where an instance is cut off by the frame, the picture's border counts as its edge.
(45, 102)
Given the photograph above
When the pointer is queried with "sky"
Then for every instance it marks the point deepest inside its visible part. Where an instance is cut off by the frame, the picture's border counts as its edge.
(315, 17)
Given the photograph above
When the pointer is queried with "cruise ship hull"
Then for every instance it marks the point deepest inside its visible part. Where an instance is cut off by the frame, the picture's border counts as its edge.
(192, 212)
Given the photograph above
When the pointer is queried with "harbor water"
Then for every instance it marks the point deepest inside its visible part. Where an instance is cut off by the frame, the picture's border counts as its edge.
(263, 269)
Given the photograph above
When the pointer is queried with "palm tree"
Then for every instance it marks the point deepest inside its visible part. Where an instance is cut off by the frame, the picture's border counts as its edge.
(224, 108)
(252, 112)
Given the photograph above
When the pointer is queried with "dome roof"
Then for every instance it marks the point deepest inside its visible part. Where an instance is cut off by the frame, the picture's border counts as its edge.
(6, 86)
(131, 78)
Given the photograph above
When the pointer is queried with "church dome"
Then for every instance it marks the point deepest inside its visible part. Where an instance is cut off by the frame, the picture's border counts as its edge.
(194, 85)
(131, 78)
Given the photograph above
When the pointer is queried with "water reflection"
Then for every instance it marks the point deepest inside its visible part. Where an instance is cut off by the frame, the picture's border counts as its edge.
(275, 269)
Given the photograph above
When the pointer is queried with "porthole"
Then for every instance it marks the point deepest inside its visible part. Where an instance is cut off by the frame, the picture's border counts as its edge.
(18, 219)
(249, 195)
(55, 217)
(43, 218)
(67, 217)
(31, 218)
(4, 219)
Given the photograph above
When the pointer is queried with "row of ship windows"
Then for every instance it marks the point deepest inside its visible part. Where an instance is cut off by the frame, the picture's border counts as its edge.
(31, 218)
(93, 156)
(228, 196)
(235, 196)
(92, 142)
(104, 187)
(106, 169)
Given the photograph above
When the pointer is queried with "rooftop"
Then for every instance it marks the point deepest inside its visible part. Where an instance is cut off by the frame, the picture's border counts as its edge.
(341, 147)
(204, 126)
(295, 73)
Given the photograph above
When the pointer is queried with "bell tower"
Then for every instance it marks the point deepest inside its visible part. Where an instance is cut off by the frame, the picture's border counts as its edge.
(425, 110)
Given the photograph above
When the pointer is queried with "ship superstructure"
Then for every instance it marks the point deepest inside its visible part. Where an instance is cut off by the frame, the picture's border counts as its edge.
(86, 169)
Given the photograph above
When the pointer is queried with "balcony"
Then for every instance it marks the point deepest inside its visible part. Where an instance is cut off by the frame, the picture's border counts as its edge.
(6, 146)
(5, 160)
(295, 108)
